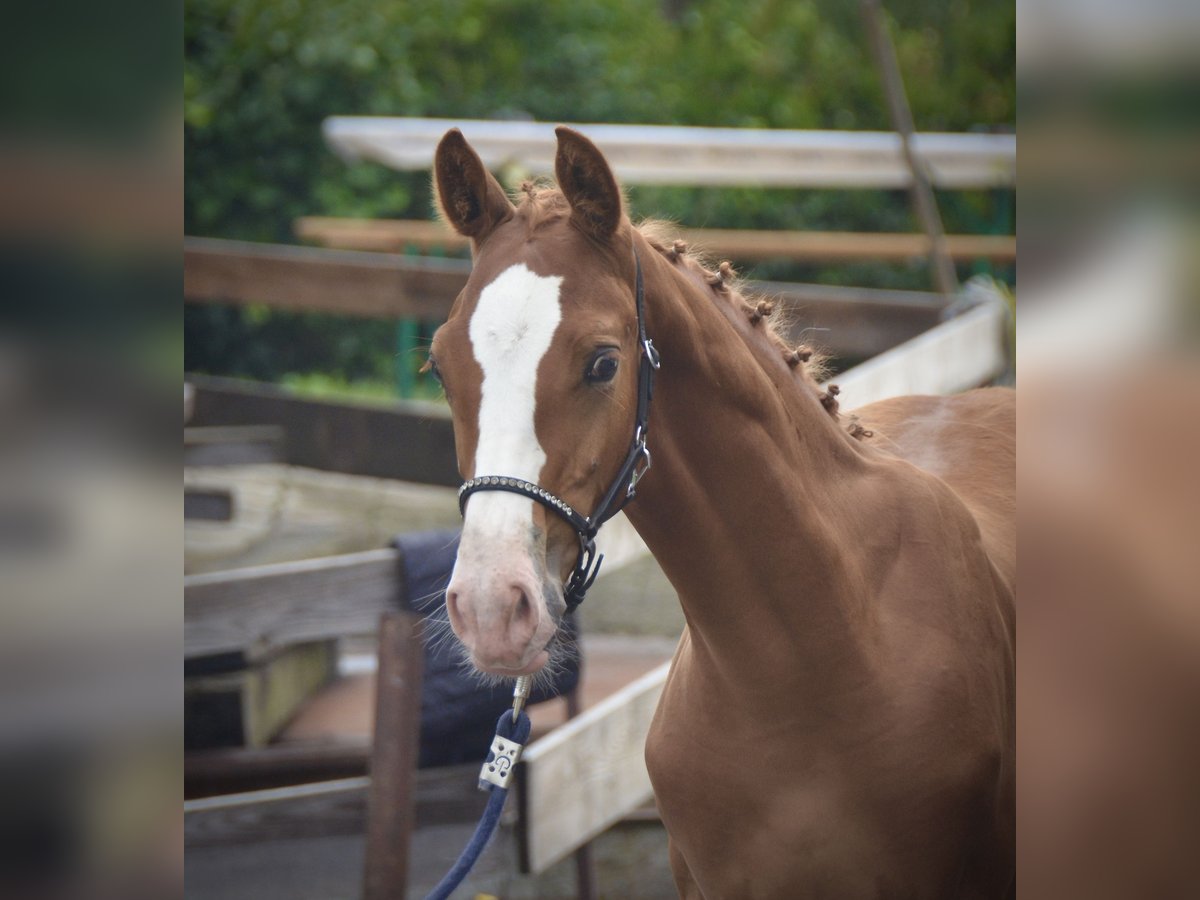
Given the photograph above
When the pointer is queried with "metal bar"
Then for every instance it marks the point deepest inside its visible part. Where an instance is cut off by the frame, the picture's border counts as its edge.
(406, 343)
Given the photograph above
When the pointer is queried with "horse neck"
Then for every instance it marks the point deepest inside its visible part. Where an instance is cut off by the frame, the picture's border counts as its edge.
(750, 474)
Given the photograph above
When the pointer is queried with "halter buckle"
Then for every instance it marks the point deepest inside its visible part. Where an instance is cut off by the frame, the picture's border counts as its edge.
(587, 567)
(651, 352)
(641, 466)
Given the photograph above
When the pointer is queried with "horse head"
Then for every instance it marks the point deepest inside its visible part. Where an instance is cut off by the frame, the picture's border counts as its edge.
(539, 362)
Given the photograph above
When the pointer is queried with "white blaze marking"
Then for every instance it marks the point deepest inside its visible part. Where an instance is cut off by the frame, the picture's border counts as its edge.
(511, 330)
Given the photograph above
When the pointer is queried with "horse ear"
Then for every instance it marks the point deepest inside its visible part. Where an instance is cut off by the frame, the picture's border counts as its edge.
(470, 199)
(588, 184)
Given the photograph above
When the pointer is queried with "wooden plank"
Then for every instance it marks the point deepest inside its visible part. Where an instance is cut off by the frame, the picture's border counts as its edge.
(408, 441)
(237, 445)
(309, 810)
(670, 154)
(820, 246)
(285, 603)
(349, 283)
(965, 352)
(391, 801)
(587, 774)
(585, 864)
(838, 310)
(240, 769)
(250, 434)
(740, 244)
(852, 330)
(380, 235)
(841, 296)
(443, 796)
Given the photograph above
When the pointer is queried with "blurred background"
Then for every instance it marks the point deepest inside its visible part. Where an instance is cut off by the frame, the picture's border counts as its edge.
(1108, 642)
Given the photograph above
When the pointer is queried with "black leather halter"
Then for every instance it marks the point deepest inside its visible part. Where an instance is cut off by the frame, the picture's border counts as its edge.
(623, 488)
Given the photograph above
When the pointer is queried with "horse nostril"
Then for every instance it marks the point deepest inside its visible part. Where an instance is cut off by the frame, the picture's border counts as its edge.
(522, 612)
(452, 609)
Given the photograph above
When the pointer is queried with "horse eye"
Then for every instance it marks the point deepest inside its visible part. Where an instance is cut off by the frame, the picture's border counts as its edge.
(603, 368)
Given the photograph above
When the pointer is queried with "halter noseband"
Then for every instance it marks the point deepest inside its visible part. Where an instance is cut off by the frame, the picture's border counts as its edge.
(623, 489)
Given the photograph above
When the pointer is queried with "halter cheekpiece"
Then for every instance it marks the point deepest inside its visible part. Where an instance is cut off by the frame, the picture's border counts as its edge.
(624, 486)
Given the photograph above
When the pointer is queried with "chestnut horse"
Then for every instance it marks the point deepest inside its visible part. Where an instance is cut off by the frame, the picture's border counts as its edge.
(838, 719)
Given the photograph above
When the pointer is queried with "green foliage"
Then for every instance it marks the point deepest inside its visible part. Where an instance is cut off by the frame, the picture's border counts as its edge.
(321, 385)
(261, 75)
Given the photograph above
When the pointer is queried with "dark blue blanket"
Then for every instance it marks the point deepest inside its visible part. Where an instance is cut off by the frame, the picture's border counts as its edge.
(458, 714)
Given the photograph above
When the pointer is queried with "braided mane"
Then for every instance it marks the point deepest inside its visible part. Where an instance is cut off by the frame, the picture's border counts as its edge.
(538, 202)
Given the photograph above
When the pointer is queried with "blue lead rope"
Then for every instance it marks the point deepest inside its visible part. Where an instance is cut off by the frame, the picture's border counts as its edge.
(513, 731)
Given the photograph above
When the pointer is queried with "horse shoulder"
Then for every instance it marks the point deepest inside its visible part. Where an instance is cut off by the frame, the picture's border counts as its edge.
(941, 643)
(939, 610)
(968, 441)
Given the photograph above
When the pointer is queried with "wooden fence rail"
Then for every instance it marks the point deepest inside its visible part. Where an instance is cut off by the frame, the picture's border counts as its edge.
(346, 282)
(672, 154)
(853, 323)
(255, 609)
(405, 440)
(323, 808)
(737, 244)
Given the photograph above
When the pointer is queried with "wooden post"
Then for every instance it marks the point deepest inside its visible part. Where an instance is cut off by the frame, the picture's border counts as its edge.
(390, 801)
(585, 866)
(562, 810)
(944, 275)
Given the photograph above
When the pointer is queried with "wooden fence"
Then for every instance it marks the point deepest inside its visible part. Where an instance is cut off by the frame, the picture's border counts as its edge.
(851, 323)
(303, 279)
(739, 245)
(670, 154)
(251, 611)
(406, 440)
